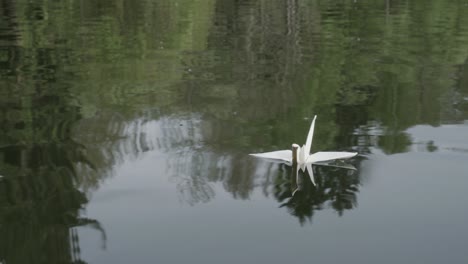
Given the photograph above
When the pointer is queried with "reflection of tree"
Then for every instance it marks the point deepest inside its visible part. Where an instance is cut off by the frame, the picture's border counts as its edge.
(195, 166)
(39, 201)
(37, 213)
(190, 171)
(335, 188)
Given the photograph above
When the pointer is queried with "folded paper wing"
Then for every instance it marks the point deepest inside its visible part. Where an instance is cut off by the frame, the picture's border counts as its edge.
(335, 165)
(323, 156)
(329, 155)
(280, 155)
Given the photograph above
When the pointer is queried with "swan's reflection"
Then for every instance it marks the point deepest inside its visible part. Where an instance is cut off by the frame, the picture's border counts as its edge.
(304, 192)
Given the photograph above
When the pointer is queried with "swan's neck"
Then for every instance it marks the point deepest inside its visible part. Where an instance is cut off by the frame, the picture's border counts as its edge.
(295, 150)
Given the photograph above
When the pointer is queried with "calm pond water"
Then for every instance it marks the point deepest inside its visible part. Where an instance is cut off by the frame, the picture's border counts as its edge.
(126, 128)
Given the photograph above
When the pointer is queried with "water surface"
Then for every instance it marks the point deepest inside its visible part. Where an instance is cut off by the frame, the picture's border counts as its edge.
(126, 128)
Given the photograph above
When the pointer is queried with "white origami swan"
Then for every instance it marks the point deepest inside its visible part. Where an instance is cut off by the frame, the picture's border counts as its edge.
(303, 157)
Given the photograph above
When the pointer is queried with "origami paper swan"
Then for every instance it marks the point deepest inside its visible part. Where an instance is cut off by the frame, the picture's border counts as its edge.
(303, 158)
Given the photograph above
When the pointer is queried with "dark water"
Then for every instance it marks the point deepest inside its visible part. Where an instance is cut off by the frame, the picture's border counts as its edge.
(125, 129)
